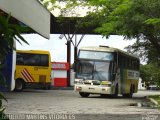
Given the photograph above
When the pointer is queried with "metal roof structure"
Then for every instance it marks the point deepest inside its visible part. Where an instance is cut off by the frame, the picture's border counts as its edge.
(68, 25)
(34, 15)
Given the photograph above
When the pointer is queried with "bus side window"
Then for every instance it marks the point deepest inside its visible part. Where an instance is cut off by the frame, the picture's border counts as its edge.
(137, 65)
(19, 59)
(130, 63)
(31, 59)
(44, 60)
(126, 62)
(35, 61)
(120, 60)
(115, 67)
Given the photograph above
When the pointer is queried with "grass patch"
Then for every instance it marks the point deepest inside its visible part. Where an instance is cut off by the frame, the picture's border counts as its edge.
(156, 98)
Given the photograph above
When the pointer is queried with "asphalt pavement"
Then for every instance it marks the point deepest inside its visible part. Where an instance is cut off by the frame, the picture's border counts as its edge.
(67, 104)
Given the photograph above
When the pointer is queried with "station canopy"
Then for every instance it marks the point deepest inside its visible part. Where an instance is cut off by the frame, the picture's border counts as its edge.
(30, 12)
(68, 25)
(34, 15)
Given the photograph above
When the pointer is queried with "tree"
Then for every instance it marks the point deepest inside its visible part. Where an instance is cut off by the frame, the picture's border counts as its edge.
(8, 33)
(133, 19)
(150, 74)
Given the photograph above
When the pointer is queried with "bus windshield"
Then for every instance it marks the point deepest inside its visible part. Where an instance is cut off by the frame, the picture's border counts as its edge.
(93, 70)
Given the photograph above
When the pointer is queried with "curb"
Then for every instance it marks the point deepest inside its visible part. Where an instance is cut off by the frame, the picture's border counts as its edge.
(153, 101)
(62, 88)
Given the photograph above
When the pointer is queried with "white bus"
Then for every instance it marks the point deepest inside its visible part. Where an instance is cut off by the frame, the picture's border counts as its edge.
(106, 71)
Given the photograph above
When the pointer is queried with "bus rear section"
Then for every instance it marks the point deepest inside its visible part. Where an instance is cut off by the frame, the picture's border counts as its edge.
(33, 68)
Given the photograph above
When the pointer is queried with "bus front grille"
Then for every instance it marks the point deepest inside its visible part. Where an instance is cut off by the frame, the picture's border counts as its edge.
(87, 83)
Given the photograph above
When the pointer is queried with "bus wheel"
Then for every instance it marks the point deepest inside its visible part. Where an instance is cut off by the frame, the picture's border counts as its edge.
(19, 86)
(115, 95)
(103, 95)
(83, 94)
(47, 87)
(130, 93)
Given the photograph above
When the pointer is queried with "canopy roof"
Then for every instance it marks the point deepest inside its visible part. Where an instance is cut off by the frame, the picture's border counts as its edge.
(68, 25)
(29, 12)
(33, 14)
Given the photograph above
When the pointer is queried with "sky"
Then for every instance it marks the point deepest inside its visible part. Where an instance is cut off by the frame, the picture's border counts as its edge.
(58, 48)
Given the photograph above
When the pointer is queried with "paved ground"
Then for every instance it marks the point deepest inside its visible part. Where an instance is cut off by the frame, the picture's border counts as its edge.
(67, 104)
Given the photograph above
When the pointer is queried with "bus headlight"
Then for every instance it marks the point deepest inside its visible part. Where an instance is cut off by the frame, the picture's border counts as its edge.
(78, 88)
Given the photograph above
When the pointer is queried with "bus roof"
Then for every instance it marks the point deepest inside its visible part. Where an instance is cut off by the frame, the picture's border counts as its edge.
(33, 51)
(106, 49)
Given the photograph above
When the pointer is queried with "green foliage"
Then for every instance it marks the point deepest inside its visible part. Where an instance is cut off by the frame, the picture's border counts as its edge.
(2, 115)
(133, 19)
(156, 98)
(150, 73)
(153, 21)
(8, 33)
(137, 19)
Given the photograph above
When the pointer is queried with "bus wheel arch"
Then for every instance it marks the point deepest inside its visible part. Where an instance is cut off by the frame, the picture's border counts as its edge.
(19, 84)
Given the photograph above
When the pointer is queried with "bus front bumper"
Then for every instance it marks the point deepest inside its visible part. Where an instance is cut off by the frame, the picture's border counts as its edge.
(93, 89)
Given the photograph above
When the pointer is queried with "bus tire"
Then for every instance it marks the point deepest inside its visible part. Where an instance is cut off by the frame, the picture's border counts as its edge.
(47, 87)
(84, 94)
(103, 95)
(19, 85)
(115, 95)
(130, 94)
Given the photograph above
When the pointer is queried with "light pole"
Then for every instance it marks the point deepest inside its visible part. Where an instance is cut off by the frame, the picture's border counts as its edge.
(76, 49)
(68, 61)
(69, 38)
